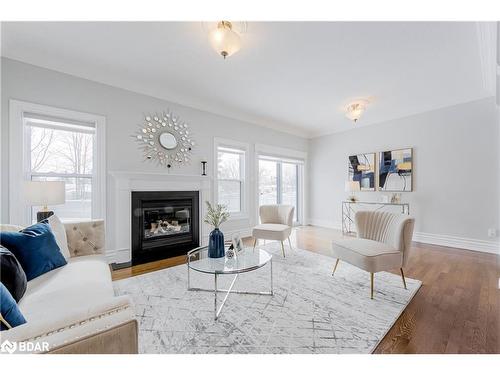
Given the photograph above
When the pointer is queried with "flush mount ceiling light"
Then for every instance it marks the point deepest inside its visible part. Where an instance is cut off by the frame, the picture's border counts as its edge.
(224, 40)
(355, 110)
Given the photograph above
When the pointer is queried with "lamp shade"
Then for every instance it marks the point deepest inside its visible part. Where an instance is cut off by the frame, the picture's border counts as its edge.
(352, 186)
(44, 193)
(224, 39)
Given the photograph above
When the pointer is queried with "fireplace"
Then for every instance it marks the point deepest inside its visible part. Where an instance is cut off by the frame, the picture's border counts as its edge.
(165, 224)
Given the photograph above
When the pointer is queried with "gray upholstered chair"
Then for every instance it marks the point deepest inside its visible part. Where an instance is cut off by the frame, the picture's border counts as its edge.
(276, 222)
(383, 243)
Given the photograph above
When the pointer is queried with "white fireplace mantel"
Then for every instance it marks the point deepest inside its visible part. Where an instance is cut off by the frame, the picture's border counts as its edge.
(122, 184)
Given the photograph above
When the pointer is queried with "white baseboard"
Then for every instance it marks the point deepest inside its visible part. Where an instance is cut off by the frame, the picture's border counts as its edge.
(492, 247)
(118, 255)
(325, 223)
(458, 242)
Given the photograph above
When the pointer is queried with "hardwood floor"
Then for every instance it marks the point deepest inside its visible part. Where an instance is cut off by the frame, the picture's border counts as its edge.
(457, 309)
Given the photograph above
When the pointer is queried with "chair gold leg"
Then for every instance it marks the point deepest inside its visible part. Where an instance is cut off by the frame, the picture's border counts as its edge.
(290, 243)
(335, 267)
(371, 284)
(282, 248)
(403, 277)
(254, 243)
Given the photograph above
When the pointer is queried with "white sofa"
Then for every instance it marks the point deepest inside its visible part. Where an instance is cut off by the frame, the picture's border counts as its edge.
(73, 309)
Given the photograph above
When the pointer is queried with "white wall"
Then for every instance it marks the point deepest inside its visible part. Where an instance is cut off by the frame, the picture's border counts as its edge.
(455, 153)
(124, 111)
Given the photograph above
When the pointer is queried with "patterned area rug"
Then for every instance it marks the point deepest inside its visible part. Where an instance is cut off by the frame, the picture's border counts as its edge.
(310, 312)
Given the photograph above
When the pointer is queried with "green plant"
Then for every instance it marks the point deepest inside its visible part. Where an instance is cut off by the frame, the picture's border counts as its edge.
(216, 215)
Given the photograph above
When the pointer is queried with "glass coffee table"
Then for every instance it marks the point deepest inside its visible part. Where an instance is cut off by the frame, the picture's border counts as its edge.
(245, 261)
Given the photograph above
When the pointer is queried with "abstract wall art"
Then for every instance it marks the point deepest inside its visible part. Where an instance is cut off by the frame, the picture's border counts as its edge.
(396, 170)
(362, 169)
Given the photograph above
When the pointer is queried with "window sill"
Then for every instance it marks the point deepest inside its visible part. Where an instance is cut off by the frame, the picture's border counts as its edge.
(238, 216)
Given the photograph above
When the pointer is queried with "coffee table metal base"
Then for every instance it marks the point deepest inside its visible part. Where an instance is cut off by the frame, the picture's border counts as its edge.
(215, 291)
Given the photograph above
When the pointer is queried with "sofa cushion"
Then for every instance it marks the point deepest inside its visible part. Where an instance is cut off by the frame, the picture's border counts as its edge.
(35, 247)
(369, 255)
(12, 274)
(9, 311)
(84, 281)
(60, 234)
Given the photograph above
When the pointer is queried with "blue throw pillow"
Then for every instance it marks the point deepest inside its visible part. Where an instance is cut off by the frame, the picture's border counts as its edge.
(35, 248)
(9, 311)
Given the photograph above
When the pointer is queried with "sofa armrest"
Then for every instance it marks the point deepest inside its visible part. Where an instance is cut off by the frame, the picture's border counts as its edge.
(85, 237)
(76, 324)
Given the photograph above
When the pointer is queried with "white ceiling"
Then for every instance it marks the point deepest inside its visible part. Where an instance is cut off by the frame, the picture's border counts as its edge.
(294, 76)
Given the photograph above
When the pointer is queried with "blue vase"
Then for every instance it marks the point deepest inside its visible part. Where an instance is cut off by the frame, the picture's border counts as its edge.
(216, 244)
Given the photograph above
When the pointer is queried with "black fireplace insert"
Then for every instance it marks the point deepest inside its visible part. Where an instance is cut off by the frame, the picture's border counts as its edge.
(165, 224)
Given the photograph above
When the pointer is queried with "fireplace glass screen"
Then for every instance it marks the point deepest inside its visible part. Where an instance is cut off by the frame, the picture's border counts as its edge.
(166, 221)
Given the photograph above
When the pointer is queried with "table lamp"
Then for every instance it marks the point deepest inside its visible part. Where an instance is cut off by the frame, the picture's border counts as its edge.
(351, 187)
(45, 193)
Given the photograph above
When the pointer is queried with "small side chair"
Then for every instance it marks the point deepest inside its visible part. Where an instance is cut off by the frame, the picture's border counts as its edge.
(276, 221)
(383, 243)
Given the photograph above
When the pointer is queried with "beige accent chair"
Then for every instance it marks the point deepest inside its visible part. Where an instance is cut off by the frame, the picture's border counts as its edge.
(383, 243)
(276, 221)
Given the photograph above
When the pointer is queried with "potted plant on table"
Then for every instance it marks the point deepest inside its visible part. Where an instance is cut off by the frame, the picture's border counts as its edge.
(216, 215)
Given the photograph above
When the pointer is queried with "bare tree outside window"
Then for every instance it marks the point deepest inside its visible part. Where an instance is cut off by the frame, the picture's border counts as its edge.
(65, 154)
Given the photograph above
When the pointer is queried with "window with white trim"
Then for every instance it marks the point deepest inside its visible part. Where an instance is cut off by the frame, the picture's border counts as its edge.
(231, 178)
(281, 182)
(62, 150)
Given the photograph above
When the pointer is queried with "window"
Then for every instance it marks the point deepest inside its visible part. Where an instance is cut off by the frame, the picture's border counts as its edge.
(54, 144)
(62, 150)
(280, 182)
(231, 178)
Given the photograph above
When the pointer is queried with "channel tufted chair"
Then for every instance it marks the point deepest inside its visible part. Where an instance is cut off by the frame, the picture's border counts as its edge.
(276, 222)
(383, 243)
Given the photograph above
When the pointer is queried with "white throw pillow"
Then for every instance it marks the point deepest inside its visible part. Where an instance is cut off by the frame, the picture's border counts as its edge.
(60, 234)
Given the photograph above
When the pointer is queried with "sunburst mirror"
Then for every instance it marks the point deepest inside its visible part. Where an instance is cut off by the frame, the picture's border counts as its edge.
(165, 139)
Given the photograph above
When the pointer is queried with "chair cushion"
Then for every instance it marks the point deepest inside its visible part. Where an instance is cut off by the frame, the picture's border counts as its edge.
(369, 255)
(35, 248)
(279, 232)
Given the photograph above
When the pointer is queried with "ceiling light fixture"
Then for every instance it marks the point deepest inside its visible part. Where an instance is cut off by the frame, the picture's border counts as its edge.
(224, 39)
(355, 110)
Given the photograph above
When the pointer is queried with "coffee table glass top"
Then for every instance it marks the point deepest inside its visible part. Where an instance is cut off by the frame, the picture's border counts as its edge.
(245, 261)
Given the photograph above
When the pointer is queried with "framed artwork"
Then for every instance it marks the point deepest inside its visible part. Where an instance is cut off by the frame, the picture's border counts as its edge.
(362, 170)
(395, 171)
(237, 243)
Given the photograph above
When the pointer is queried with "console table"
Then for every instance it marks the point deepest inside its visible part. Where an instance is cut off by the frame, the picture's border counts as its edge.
(348, 211)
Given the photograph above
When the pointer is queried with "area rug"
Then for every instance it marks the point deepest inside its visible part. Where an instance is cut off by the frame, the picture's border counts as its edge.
(310, 311)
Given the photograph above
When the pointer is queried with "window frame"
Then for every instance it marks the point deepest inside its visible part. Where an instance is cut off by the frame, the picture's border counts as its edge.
(20, 157)
(284, 155)
(243, 149)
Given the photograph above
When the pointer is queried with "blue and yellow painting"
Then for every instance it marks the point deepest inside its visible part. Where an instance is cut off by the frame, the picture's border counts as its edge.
(396, 170)
(362, 169)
